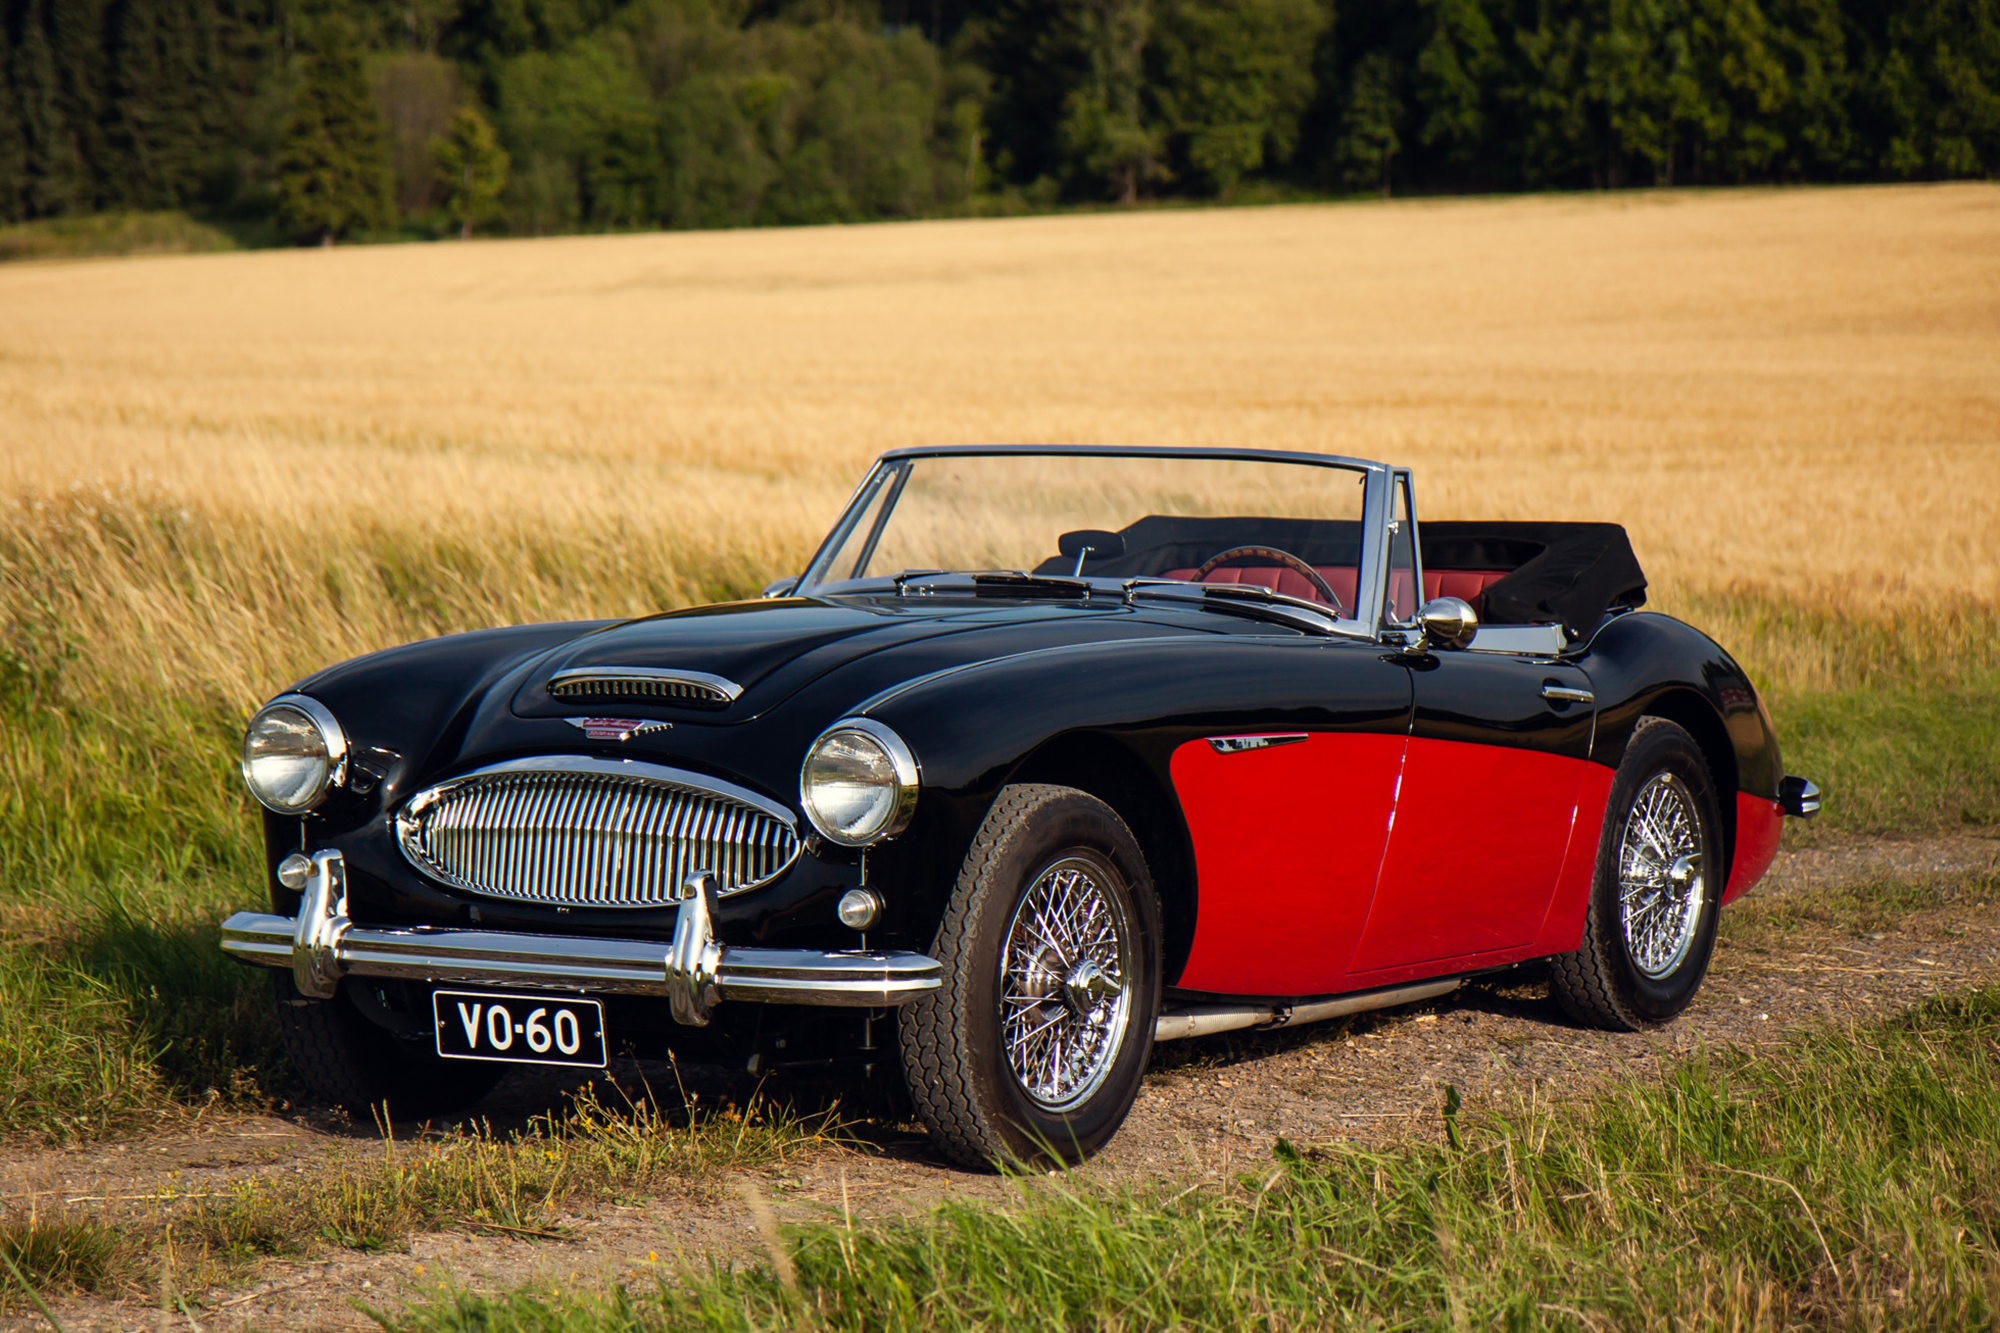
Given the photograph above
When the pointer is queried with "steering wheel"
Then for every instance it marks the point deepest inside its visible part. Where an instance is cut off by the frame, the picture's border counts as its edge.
(1310, 574)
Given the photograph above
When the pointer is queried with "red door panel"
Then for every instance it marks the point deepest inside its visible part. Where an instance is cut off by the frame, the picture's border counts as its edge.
(1287, 844)
(1472, 863)
(1562, 929)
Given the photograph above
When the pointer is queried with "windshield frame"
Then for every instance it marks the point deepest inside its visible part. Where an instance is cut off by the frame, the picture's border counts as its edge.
(1371, 583)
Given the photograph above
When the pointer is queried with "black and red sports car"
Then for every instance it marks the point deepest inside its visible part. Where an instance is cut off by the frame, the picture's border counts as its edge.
(1049, 754)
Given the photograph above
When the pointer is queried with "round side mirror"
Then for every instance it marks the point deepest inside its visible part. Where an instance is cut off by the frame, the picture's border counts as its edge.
(1447, 622)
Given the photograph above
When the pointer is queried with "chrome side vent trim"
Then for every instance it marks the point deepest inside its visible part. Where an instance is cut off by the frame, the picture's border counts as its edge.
(577, 832)
(693, 689)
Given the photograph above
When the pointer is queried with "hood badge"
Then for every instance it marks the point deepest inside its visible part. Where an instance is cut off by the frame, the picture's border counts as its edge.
(615, 728)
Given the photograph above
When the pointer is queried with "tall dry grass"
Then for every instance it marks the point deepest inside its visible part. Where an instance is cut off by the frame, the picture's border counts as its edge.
(222, 471)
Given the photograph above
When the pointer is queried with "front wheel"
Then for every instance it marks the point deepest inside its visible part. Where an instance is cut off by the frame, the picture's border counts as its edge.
(1658, 887)
(1033, 1047)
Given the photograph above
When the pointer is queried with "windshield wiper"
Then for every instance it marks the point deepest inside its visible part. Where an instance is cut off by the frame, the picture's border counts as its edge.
(1238, 599)
(1001, 582)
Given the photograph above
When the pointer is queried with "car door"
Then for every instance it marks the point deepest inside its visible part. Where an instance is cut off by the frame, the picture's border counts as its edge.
(1498, 747)
(1288, 807)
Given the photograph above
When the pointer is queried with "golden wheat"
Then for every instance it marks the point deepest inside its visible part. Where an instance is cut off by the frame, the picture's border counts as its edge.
(228, 469)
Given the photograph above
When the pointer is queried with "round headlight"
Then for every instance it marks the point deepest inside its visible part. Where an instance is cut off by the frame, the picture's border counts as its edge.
(293, 751)
(859, 783)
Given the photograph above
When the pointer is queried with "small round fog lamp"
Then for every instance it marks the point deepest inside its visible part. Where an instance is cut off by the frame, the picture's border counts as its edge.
(293, 871)
(860, 908)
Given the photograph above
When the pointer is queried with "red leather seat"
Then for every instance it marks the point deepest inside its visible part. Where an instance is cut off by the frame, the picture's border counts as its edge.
(1469, 584)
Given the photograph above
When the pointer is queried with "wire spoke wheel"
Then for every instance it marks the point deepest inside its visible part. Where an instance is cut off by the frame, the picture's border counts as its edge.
(1065, 994)
(1662, 882)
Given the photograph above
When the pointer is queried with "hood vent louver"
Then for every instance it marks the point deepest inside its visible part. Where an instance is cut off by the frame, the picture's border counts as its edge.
(667, 685)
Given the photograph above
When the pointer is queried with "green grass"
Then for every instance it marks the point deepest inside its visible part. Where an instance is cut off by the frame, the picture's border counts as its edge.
(1851, 1180)
(514, 1183)
(87, 235)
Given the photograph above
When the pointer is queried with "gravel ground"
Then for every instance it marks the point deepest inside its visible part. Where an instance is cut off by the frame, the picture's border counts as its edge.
(1210, 1107)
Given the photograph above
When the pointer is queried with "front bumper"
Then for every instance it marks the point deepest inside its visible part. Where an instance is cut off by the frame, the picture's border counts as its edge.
(694, 973)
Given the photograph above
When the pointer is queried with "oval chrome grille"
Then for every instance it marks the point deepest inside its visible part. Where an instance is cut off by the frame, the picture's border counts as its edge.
(578, 832)
(697, 689)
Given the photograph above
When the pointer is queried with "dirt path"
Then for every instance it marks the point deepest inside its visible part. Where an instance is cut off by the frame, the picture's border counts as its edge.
(1806, 947)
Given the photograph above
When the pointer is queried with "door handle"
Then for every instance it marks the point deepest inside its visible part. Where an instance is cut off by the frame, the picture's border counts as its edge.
(1567, 694)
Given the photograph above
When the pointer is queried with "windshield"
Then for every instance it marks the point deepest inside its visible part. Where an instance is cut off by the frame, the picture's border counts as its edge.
(1104, 516)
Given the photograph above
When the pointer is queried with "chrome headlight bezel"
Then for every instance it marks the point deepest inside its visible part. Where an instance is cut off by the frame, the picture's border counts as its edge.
(905, 777)
(332, 738)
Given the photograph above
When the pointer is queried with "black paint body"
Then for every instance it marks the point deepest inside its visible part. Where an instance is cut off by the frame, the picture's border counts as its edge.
(986, 690)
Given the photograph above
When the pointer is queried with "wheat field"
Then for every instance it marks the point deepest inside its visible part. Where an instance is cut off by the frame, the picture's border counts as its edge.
(225, 470)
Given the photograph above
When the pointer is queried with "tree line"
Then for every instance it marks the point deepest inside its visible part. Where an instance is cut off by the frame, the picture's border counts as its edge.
(316, 119)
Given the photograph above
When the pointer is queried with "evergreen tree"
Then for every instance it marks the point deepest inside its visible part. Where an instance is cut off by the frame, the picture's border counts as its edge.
(1104, 134)
(472, 167)
(1230, 79)
(52, 175)
(76, 31)
(13, 147)
(163, 79)
(1453, 78)
(333, 173)
(1369, 141)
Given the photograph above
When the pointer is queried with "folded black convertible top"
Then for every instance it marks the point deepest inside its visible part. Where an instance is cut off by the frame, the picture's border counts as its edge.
(1569, 572)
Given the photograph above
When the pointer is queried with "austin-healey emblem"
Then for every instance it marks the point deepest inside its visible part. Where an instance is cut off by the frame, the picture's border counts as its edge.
(615, 728)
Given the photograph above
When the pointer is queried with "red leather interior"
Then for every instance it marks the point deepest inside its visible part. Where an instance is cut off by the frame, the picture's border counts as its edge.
(1470, 584)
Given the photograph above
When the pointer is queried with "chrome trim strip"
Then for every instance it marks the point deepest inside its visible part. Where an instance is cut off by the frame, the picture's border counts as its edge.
(1266, 741)
(1202, 1019)
(672, 824)
(728, 690)
(855, 979)
(1567, 694)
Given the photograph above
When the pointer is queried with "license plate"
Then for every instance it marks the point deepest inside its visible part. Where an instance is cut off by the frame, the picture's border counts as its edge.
(520, 1029)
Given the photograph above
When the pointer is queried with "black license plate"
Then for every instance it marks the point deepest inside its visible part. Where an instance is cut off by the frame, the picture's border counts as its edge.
(522, 1029)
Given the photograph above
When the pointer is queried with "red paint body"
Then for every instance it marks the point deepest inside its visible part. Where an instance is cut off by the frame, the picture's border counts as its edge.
(1473, 863)
(1759, 824)
(1288, 845)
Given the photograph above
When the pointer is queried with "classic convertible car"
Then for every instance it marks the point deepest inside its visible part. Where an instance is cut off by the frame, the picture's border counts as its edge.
(1048, 755)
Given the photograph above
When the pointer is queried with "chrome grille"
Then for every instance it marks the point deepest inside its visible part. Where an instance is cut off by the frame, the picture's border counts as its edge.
(593, 833)
(689, 688)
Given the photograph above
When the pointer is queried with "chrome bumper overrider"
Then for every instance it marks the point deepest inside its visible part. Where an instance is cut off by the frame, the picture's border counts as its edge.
(321, 946)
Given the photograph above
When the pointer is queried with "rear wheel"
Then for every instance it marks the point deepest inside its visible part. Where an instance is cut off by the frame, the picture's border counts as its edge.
(1651, 925)
(357, 1064)
(1033, 1048)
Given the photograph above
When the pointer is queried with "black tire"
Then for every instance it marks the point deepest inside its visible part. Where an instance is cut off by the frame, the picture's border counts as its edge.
(352, 1062)
(979, 1112)
(1606, 983)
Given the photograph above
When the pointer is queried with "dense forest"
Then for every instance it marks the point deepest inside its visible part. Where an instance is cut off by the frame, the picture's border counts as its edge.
(311, 120)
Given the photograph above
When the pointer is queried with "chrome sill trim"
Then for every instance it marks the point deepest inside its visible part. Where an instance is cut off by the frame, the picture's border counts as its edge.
(1202, 1019)
(623, 967)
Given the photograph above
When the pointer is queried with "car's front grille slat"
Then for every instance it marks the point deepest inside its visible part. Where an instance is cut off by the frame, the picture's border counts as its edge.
(584, 839)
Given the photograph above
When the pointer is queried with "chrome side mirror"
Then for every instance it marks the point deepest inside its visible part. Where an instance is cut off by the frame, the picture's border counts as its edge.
(1447, 622)
(781, 587)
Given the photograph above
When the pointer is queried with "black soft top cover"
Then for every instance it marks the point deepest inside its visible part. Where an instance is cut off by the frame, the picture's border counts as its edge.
(1567, 572)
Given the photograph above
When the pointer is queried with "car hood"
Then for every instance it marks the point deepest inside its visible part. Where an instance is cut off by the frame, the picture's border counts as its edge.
(772, 649)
